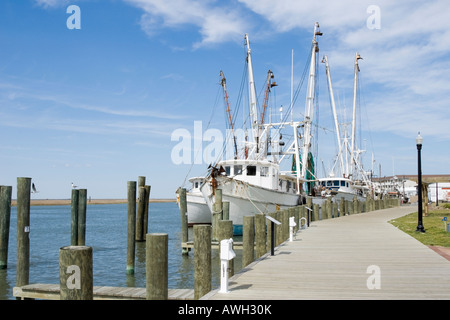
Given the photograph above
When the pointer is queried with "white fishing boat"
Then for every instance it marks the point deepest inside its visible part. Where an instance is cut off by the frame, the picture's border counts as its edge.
(253, 181)
(351, 179)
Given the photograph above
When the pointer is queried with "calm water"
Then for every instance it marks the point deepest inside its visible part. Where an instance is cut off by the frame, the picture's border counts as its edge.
(106, 233)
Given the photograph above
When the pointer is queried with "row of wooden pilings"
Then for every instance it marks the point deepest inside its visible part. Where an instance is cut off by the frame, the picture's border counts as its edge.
(76, 261)
(257, 232)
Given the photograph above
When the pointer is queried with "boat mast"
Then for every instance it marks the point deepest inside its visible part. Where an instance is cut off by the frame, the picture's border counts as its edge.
(355, 84)
(252, 97)
(310, 100)
(333, 105)
(269, 84)
(223, 82)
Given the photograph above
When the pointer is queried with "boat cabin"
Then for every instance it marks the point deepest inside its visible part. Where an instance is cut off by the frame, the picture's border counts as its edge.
(261, 173)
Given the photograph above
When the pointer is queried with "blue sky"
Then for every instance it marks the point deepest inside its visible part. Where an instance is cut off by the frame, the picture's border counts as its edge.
(97, 106)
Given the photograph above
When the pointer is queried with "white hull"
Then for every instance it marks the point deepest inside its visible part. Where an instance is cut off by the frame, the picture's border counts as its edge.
(246, 199)
(197, 209)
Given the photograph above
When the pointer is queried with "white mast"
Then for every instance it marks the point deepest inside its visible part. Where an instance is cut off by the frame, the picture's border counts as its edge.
(355, 83)
(336, 123)
(252, 99)
(310, 101)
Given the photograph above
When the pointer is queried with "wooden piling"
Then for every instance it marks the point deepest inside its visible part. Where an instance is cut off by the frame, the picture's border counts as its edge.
(82, 201)
(315, 213)
(147, 203)
(76, 273)
(74, 218)
(225, 210)
(225, 231)
(157, 266)
(183, 217)
(131, 231)
(217, 212)
(140, 236)
(5, 218)
(23, 231)
(260, 235)
(202, 260)
(248, 240)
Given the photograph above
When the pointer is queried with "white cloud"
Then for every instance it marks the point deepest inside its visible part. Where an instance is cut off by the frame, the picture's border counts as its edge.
(216, 23)
(52, 3)
(406, 62)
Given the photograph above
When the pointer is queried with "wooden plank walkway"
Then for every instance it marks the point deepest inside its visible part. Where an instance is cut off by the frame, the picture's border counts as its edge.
(330, 260)
(51, 292)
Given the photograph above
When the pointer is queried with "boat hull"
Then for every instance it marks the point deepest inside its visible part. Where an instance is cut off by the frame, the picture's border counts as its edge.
(197, 210)
(246, 200)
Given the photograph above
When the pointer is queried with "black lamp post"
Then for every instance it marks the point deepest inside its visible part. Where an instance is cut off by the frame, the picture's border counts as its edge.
(419, 140)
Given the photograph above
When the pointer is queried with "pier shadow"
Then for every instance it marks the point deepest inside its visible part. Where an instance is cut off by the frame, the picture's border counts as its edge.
(241, 287)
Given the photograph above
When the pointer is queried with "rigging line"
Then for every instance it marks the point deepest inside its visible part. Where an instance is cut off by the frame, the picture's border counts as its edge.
(297, 91)
(207, 127)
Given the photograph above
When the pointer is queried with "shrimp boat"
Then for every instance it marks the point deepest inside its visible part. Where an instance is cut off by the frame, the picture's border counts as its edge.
(353, 180)
(255, 181)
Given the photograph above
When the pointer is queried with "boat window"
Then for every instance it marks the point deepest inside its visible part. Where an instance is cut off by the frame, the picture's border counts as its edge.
(264, 172)
(237, 170)
(195, 184)
(342, 183)
(347, 184)
(329, 183)
(288, 185)
(227, 170)
(251, 170)
(336, 183)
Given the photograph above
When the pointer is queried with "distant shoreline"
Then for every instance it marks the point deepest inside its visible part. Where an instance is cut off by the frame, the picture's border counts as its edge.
(62, 202)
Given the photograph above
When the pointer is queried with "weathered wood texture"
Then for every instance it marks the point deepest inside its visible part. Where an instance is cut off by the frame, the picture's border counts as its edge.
(332, 260)
(51, 292)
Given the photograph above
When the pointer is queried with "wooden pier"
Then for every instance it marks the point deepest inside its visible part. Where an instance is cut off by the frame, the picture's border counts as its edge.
(359, 256)
(52, 292)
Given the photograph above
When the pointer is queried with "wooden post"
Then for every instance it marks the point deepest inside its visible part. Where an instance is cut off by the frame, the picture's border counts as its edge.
(23, 231)
(5, 218)
(248, 240)
(183, 216)
(260, 235)
(226, 210)
(131, 231)
(329, 212)
(74, 218)
(315, 214)
(140, 214)
(202, 260)
(217, 212)
(82, 200)
(279, 229)
(157, 266)
(225, 231)
(75, 273)
(285, 224)
(147, 202)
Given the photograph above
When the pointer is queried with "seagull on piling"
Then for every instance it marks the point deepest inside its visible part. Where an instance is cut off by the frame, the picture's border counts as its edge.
(74, 186)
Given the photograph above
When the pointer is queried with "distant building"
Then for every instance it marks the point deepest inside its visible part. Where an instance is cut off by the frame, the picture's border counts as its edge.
(441, 190)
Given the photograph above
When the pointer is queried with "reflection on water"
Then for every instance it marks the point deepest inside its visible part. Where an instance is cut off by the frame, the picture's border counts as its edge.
(106, 233)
